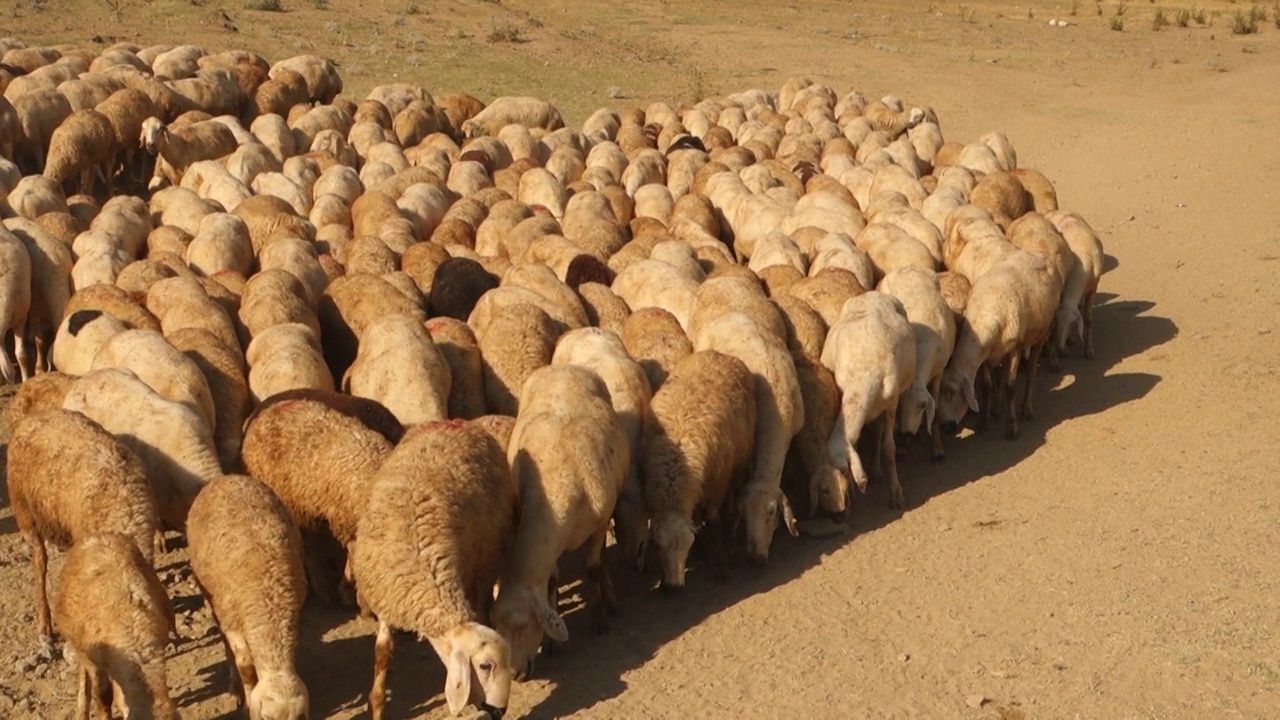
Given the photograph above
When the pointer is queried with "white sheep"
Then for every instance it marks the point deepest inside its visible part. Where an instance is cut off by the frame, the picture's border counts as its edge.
(569, 456)
(871, 350)
(1076, 309)
(399, 365)
(155, 361)
(15, 304)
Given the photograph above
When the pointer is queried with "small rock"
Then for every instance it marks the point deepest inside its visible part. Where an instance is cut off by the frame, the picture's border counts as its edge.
(903, 657)
(1264, 331)
(976, 701)
(615, 92)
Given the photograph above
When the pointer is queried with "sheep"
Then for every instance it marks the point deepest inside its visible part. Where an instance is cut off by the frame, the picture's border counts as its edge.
(115, 613)
(68, 478)
(39, 114)
(655, 339)
(696, 454)
(457, 343)
(1076, 309)
(82, 144)
(174, 444)
(221, 243)
(933, 324)
(753, 339)
(224, 370)
(1002, 195)
(125, 110)
(602, 352)
(1010, 311)
(159, 364)
(15, 304)
(604, 309)
(348, 305)
(436, 531)
(180, 147)
(871, 351)
(275, 297)
(652, 283)
(286, 357)
(821, 485)
(1040, 191)
(45, 391)
(527, 111)
(318, 453)
(80, 336)
(246, 554)
(569, 456)
(517, 342)
(399, 366)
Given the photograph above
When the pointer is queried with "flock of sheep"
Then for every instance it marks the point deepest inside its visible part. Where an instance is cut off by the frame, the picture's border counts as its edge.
(401, 350)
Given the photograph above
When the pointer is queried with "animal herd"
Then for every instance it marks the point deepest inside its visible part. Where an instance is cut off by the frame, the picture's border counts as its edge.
(403, 353)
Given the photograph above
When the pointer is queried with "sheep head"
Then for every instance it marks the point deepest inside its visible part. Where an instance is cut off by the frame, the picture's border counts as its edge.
(673, 536)
(279, 696)
(762, 506)
(829, 491)
(523, 615)
(955, 398)
(154, 133)
(477, 663)
(630, 527)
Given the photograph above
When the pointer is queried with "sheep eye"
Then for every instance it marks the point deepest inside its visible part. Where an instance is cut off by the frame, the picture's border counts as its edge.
(486, 666)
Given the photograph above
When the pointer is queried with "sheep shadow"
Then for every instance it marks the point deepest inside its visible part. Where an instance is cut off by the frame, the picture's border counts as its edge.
(647, 620)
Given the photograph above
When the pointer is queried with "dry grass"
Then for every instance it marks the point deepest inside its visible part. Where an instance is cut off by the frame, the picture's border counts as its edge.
(264, 5)
(1117, 24)
(1246, 23)
(1184, 18)
(1159, 20)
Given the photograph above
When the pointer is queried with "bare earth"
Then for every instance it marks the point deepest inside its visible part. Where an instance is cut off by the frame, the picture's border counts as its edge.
(1118, 561)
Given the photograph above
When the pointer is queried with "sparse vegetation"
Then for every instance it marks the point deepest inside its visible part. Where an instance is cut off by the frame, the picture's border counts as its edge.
(116, 7)
(1122, 7)
(968, 14)
(1244, 23)
(506, 32)
(264, 5)
(1098, 7)
(1160, 20)
(1184, 18)
(1075, 8)
(320, 4)
(1117, 24)
(1200, 16)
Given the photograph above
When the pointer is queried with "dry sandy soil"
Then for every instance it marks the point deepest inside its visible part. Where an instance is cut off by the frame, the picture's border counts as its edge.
(1118, 561)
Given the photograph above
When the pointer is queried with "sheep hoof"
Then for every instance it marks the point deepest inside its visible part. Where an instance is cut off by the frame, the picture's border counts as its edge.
(938, 456)
(897, 500)
(1088, 353)
(1012, 433)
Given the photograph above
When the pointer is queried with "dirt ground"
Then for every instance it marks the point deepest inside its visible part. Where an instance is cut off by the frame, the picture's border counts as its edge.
(1118, 561)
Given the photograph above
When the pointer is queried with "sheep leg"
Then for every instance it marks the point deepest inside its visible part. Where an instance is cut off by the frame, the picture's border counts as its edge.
(20, 351)
(1088, 325)
(382, 647)
(1027, 411)
(102, 692)
(985, 390)
(887, 450)
(83, 681)
(244, 665)
(717, 544)
(551, 647)
(600, 597)
(1010, 383)
(939, 453)
(42, 357)
(44, 624)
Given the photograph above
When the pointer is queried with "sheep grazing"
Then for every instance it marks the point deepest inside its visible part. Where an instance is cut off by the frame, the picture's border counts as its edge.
(246, 554)
(696, 454)
(602, 352)
(69, 478)
(1010, 311)
(435, 533)
(318, 453)
(83, 144)
(398, 365)
(15, 303)
(1076, 309)
(179, 147)
(871, 350)
(115, 613)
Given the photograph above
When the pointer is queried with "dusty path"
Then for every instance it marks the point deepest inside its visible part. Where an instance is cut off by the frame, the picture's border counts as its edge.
(1117, 561)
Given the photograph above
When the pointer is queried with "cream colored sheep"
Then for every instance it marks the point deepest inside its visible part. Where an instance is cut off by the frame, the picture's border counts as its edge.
(1076, 309)
(602, 352)
(42, 392)
(284, 357)
(934, 327)
(569, 455)
(224, 369)
(656, 340)
(162, 367)
(527, 111)
(80, 336)
(81, 145)
(246, 554)
(115, 613)
(436, 532)
(399, 366)
(696, 455)
(51, 263)
(174, 444)
(871, 351)
(457, 343)
(655, 284)
(517, 342)
(275, 297)
(69, 478)
(180, 147)
(1010, 311)
(15, 304)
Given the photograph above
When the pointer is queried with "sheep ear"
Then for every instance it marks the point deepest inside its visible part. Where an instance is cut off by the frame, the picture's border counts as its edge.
(970, 396)
(457, 684)
(788, 517)
(551, 622)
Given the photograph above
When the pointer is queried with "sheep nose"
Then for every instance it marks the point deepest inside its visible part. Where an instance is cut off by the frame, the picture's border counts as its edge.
(670, 589)
(950, 427)
(495, 713)
(757, 560)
